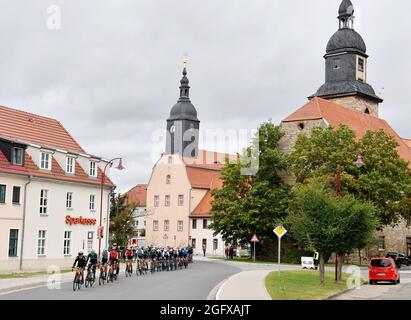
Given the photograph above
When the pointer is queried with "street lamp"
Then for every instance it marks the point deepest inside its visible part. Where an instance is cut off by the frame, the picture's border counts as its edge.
(359, 163)
(103, 176)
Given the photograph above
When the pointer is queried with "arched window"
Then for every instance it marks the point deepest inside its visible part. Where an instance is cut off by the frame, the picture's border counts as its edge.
(367, 111)
(168, 179)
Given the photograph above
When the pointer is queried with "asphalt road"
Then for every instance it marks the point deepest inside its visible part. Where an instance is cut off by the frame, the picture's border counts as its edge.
(193, 283)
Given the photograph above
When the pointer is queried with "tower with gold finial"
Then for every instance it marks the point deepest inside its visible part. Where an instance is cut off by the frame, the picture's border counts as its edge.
(183, 125)
(346, 67)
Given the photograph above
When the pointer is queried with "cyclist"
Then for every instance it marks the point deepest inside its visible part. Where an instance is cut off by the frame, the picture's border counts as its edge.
(92, 259)
(81, 262)
(129, 258)
(104, 260)
(114, 258)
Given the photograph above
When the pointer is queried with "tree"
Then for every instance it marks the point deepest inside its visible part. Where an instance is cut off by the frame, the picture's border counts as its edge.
(384, 180)
(121, 219)
(327, 224)
(248, 204)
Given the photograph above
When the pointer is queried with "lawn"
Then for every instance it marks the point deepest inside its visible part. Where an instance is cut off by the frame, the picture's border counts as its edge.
(15, 275)
(303, 285)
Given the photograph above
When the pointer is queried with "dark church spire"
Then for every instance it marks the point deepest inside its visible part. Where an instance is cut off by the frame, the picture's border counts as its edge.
(346, 67)
(184, 87)
(346, 14)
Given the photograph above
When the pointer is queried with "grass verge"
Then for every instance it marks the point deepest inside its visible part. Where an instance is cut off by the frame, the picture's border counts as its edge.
(303, 285)
(16, 275)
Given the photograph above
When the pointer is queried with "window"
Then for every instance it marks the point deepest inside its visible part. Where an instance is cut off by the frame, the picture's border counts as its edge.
(204, 244)
(193, 243)
(168, 179)
(301, 126)
(361, 64)
(92, 202)
(381, 243)
(167, 201)
(170, 160)
(16, 195)
(166, 225)
(93, 169)
(380, 263)
(181, 200)
(70, 165)
(215, 244)
(45, 161)
(41, 243)
(156, 201)
(67, 243)
(13, 242)
(180, 225)
(69, 200)
(17, 156)
(367, 111)
(2, 193)
(194, 223)
(44, 201)
(155, 225)
(205, 223)
(136, 223)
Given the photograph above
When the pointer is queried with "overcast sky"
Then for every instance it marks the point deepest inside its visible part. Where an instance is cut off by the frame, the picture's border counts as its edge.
(111, 73)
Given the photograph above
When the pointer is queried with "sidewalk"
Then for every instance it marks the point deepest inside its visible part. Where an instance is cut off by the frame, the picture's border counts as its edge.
(12, 284)
(246, 285)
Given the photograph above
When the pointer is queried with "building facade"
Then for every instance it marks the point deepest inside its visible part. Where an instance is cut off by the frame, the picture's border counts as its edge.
(179, 190)
(347, 98)
(51, 207)
(137, 196)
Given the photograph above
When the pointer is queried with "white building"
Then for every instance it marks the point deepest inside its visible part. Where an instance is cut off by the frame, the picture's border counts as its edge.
(58, 210)
(137, 196)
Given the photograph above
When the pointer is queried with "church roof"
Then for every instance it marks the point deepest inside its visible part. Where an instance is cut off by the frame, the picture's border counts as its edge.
(407, 142)
(204, 207)
(346, 40)
(137, 195)
(336, 115)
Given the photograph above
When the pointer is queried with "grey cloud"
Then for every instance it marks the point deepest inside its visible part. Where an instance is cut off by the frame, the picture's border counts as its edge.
(111, 74)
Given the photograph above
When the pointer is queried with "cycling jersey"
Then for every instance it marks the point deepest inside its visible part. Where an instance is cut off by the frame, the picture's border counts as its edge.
(80, 261)
(92, 257)
(114, 255)
(129, 254)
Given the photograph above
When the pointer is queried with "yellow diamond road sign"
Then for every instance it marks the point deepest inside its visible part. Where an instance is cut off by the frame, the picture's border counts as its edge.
(280, 231)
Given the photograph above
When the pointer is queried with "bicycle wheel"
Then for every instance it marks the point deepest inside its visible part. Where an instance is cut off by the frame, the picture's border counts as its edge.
(87, 281)
(75, 282)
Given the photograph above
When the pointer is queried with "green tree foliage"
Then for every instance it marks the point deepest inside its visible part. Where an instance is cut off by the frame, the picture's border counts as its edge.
(121, 219)
(384, 180)
(249, 204)
(320, 221)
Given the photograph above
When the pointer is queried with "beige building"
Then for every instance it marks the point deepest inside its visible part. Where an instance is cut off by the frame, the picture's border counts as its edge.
(179, 202)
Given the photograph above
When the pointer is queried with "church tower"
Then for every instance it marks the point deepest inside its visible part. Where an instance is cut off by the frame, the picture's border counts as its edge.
(346, 67)
(183, 125)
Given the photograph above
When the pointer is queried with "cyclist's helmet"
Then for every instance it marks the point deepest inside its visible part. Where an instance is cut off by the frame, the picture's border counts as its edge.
(81, 253)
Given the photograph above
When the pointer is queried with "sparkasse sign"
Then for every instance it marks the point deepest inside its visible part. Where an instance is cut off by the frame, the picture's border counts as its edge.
(85, 221)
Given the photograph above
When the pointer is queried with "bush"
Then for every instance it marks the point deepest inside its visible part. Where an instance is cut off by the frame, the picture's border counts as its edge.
(294, 256)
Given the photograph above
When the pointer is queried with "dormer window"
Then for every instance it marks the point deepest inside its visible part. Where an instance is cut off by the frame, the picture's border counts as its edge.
(168, 179)
(45, 161)
(70, 165)
(17, 156)
(93, 169)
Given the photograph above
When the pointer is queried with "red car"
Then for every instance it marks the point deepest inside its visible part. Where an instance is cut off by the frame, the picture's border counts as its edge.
(384, 269)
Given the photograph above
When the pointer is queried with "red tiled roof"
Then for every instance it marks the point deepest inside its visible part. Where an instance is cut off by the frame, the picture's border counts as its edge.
(32, 128)
(137, 195)
(203, 178)
(208, 159)
(407, 142)
(6, 166)
(204, 207)
(360, 122)
(58, 173)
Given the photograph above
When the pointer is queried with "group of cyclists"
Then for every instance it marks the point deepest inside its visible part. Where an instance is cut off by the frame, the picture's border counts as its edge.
(147, 260)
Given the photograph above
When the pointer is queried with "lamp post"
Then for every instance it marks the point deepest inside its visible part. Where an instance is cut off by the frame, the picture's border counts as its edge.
(103, 176)
(359, 163)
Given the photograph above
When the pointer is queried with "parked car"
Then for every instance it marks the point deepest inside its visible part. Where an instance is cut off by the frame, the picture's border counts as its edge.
(383, 269)
(399, 258)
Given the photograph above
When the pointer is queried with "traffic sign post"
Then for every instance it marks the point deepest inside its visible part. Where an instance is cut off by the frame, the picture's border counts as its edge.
(280, 231)
(254, 239)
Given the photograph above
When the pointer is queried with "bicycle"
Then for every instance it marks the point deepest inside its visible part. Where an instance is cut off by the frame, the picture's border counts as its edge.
(91, 276)
(103, 275)
(129, 268)
(111, 273)
(77, 279)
